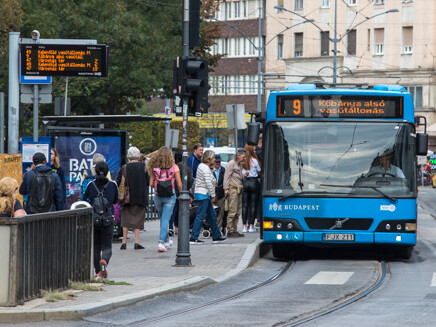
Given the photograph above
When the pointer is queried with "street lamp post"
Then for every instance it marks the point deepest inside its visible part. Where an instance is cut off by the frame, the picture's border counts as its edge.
(335, 39)
(261, 49)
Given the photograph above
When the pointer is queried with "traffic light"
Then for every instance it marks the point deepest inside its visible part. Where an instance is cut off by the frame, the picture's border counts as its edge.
(191, 81)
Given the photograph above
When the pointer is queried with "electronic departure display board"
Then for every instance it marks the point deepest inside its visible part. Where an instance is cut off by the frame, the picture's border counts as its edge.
(339, 106)
(86, 60)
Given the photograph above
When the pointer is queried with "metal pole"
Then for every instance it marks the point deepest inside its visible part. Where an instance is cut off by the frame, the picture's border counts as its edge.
(66, 96)
(335, 42)
(259, 58)
(167, 123)
(235, 122)
(14, 92)
(35, 111)
(2, 122)
(183, 256)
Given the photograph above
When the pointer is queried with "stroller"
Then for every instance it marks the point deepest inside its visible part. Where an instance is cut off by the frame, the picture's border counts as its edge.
(205, 227)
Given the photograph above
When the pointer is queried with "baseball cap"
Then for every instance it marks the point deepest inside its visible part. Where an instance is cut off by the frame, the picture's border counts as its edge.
(218, 157)
(39, 158)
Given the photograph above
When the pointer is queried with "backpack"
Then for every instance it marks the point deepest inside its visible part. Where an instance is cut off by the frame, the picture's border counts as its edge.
(101, 209)
(164, 187)
(41, 195)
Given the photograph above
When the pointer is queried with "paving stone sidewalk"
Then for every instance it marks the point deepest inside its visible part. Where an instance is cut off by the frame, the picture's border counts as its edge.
(149, 272)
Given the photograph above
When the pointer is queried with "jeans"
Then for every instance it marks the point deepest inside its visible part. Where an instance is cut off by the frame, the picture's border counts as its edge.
(250, 198)
(205, 206)
(164, 206)
(174, 221)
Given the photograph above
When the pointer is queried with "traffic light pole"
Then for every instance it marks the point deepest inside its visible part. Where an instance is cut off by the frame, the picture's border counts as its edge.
(183, 256)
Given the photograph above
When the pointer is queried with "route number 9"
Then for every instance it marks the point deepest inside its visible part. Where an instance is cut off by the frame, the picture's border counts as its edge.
(297, 106)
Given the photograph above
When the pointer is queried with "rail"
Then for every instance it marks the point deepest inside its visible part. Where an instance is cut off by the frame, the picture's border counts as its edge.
(43, 252)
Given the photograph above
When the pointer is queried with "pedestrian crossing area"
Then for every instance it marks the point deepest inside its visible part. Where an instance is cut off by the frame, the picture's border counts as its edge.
(330, 278)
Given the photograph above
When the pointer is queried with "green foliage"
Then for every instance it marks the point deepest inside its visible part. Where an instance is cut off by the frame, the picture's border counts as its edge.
(11, 14)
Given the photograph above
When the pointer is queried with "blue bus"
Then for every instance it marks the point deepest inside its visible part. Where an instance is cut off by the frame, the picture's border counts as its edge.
(339, 167)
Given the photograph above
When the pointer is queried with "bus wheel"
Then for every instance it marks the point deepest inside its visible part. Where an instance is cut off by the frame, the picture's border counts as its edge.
(403, 252)
(281, 251)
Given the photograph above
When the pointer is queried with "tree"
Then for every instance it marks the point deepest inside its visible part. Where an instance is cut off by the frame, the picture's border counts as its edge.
(11, 15)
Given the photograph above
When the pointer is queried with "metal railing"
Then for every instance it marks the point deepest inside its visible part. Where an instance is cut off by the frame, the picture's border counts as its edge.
(44, 251)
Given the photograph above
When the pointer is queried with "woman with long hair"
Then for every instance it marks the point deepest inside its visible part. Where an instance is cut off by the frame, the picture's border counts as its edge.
(102, 234)
(10, 206)
(205, 195)
(55, 165)
(162, 169)
(250, 171)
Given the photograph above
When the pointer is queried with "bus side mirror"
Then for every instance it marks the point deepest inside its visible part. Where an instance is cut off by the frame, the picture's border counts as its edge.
(253, 133)
(421, 144)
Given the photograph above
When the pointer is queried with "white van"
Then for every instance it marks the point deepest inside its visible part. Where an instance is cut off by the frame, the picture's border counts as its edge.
(225, 152)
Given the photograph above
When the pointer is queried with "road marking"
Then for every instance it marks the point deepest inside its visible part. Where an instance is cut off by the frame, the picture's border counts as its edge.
(433, 280)
(330, 278)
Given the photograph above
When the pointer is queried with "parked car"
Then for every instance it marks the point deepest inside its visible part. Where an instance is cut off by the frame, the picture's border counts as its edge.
(225, 152)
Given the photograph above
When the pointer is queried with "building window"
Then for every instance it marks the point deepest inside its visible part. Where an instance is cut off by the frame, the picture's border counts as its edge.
(379, 2)
(280, 46)
(236, 9)
(351, 42)
(325, 43)
(298, 46)
(352, 2)
(379, 40)
(407, 40)
(298, 5)
(233, 84)
(280, 3)
(325, 3)
(416, 92)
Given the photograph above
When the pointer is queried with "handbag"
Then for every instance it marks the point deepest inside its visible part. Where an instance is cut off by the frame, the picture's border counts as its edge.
(123, 189)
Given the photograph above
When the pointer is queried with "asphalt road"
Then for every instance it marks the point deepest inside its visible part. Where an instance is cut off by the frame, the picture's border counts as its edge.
(406, 298)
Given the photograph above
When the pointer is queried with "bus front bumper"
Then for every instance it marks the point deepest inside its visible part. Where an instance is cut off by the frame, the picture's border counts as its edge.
(299, 237)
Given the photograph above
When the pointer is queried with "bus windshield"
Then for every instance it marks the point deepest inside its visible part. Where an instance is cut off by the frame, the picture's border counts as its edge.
(340, 158)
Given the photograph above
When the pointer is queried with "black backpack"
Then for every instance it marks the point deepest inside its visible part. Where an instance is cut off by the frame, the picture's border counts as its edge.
(41, 193)
(101, 209)
(164, 188)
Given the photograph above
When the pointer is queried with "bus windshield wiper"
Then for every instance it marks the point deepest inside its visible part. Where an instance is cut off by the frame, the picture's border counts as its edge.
(391, 198)
(297, 194)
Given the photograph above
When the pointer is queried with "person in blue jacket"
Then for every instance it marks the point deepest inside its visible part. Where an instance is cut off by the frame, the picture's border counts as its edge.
(195, 159)
(40, 165)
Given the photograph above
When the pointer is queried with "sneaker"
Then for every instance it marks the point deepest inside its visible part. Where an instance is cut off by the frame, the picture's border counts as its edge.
(233, 235)
(161, 248)
(103, 268)
(240, 234)
(244, 229)
(98, 275)
(194, 242)
(251, 229)
(170, 232)
(219, 240)
(169, 244)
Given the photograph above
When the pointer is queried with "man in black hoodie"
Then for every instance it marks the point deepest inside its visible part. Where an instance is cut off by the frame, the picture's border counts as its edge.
(46, 196)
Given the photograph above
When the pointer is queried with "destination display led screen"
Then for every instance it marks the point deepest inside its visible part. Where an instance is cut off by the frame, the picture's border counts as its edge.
(339, 106)
(64, 60)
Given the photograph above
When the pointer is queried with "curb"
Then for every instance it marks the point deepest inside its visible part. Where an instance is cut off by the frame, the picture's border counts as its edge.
(251, 256)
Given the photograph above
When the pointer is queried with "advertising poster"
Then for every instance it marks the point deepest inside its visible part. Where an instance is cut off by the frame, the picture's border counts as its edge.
(76, 153)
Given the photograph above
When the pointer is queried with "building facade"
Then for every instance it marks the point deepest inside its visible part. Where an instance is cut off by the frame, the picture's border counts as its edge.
(377, 42)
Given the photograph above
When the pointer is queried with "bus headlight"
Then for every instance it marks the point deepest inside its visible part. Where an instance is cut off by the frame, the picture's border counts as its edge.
(290, 226)
(388, 226)
(410, 227)
(398, 227)
(279, 225)
(267, 224)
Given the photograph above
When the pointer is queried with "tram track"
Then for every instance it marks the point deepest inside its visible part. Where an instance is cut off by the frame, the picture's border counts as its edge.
(382, 269)
(272, 279)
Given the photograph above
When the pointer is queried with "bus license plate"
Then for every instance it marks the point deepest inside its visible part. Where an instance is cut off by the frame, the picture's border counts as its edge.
(338, 237)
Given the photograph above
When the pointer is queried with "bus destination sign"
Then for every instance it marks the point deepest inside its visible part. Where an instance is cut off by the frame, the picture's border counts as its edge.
(339, 106)
(85, 60)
